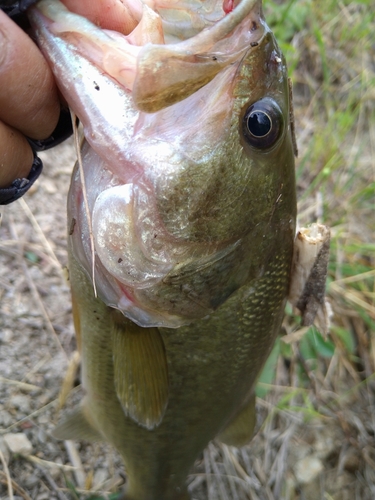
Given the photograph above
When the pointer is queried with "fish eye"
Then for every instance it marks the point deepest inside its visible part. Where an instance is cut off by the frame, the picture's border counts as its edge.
(262, 124)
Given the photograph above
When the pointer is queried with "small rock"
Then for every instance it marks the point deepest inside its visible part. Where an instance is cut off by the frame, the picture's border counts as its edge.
(6, 335)
(301, 451)
(32, 481)
(100, 476)
(21, 402)
(18, 443)
(50, 448)
(55, 472)
(49, 186)
(4, 450)
(41, 436)
(352, 462)
(6, 419)
(307, 469)
(43, 496)
(324, 446)
(43, 419)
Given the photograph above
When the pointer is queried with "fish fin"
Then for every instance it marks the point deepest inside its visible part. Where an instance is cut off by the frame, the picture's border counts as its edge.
(240, 430)
(76, 426)
(141, 371)
(70, 376)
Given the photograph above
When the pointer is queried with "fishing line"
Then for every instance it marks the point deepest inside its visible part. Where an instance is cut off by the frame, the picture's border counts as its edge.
(83, 182)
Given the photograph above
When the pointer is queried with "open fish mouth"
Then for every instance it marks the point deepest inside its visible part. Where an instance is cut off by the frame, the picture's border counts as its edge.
(168, 49)
(157, 105)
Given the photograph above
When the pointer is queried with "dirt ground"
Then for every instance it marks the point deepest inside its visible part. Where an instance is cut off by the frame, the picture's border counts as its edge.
(315, 442)
(288, 458)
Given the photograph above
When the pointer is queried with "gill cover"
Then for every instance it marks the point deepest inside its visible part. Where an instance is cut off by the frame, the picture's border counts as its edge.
(180, 196)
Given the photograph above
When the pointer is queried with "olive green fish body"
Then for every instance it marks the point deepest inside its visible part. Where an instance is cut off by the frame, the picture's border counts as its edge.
(212, 367)
(189, 169)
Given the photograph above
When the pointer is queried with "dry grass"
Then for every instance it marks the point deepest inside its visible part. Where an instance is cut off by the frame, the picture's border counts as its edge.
(316, 405)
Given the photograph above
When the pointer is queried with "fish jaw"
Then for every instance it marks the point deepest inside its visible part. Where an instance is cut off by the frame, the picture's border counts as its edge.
(185, 244)
(88, 62)
(158, 73)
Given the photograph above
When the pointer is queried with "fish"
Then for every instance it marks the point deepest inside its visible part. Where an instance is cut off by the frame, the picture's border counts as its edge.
(182, 217)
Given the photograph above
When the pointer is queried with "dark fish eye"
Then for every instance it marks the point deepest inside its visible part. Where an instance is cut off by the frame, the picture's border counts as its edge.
(262, 124)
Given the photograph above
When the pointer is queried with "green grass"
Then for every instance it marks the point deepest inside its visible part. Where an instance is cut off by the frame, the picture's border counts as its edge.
(330, 47)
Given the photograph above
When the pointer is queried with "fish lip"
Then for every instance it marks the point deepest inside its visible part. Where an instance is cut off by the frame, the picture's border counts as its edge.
(209, 50)
(149, 88)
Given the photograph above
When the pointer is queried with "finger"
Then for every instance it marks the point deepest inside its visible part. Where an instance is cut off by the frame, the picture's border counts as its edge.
(28, 94)
(16, 156)
(117, 15)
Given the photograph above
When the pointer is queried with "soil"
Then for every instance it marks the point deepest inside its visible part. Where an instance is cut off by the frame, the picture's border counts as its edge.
(289, 457)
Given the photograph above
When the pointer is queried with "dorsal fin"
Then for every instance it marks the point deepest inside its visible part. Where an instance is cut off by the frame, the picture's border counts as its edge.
(240, 430)
(140, 370)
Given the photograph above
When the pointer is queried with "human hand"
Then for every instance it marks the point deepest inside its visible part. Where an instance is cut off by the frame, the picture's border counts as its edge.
(29, 103)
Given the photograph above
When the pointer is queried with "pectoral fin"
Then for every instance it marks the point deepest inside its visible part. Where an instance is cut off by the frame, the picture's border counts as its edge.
(141, 372)
(76, 426)
(240, 430)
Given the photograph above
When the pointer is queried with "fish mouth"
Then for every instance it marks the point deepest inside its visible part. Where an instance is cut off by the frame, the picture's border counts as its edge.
(121, 86)
(171, 52)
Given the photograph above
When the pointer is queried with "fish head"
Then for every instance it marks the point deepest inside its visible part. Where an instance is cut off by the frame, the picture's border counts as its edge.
(188, 165)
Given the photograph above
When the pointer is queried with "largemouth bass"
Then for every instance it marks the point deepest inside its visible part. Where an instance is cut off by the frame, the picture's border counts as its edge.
(189, 204)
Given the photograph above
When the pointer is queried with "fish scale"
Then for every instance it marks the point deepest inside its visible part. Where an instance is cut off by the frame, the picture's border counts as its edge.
(193, 219)
(256, 311)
